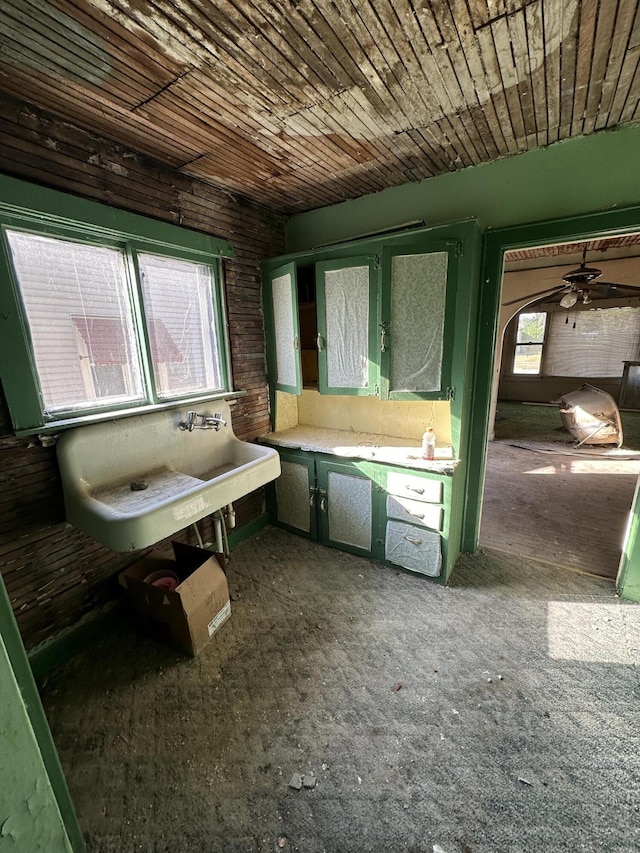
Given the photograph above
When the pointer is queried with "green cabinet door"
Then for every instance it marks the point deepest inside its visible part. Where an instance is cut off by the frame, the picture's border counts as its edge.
(283, 329)
(417, 317)
(346, 505)
(294, 494)
(346, 297)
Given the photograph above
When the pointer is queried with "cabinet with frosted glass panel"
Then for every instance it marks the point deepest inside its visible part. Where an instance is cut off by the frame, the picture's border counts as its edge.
(325, 499)
(378, 323)
(391, 514)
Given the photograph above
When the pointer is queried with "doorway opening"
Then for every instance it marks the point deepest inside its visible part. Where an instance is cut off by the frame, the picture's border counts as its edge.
(569, 317)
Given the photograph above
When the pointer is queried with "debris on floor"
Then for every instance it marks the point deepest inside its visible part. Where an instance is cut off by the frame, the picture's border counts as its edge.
(296, 782)
(309, 780)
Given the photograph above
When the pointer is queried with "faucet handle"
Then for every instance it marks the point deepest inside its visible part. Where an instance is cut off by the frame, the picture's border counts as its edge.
(190, 422)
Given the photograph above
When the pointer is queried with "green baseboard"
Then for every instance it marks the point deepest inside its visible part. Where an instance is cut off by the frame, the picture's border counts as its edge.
(59, 649)
(236, 537)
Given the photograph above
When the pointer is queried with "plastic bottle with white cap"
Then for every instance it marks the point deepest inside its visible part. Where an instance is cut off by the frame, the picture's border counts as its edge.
(429, 444)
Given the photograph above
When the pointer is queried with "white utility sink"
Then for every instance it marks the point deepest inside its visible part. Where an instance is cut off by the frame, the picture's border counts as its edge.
(131, 482)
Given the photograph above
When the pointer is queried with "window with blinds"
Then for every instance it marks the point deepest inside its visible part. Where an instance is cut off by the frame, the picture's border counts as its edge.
(592, 343)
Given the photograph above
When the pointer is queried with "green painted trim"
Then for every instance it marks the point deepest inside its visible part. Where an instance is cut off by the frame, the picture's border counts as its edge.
(237, 537)
(24, 677)
(462, 371)
(370, 246)
(496, 243)
(27, 200)
(628, 580)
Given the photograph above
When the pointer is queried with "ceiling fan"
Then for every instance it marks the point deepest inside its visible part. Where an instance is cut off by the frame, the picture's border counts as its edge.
(580, 285)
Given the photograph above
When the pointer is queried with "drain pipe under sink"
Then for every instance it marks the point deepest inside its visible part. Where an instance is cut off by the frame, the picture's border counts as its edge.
(220, 530)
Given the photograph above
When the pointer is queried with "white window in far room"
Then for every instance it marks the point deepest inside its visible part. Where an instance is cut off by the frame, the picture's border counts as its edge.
(529, 343)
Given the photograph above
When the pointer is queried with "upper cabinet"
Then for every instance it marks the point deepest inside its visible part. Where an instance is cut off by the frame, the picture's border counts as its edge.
(416, 313)
(285, 369)
(374, 318)
(346, 306)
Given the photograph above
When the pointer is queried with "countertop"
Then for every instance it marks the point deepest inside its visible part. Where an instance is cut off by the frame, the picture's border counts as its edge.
(363, 445)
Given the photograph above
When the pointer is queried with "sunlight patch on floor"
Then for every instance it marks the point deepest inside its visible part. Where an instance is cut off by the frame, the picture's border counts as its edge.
(596, 633)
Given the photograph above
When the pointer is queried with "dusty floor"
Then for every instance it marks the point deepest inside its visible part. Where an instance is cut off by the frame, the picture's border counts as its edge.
(562, 508)
(497, 715)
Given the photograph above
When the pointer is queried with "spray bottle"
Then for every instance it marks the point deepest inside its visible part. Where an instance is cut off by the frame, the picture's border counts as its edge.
(428, 444)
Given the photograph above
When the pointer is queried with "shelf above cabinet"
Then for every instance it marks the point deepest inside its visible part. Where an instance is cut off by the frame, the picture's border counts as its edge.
(385, 449)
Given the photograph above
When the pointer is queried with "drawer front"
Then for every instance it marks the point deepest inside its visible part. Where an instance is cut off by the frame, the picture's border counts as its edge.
(410, 486)
(414, 512)
(413, 548)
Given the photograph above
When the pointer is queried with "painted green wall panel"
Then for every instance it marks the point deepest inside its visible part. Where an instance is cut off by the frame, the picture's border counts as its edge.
(568, 178)
(36, 813)
(29, 817)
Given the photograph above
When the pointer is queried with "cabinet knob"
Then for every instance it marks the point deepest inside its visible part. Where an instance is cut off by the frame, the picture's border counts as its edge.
(319, 342)
(295, 342)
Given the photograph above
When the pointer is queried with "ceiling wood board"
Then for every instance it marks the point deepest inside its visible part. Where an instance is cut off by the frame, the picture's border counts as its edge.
(296, 104)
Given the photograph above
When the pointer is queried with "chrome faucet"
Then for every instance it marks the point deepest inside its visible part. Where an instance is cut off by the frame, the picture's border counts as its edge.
(206, 422)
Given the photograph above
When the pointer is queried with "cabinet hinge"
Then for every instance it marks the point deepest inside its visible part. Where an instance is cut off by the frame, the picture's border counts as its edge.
(376, 390)
(379, 541)
(376, 262)
(457, 247)
(451, 393)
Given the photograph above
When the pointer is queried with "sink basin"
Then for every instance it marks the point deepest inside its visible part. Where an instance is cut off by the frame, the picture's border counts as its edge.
(131, 482)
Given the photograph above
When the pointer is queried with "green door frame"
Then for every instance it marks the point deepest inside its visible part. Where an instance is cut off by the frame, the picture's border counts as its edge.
(24, 677)
(496, 243)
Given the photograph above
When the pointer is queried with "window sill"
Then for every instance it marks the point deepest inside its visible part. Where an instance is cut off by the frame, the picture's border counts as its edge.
(53, 427)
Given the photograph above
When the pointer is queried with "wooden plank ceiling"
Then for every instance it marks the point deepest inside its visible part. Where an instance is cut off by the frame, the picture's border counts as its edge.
(297, 104)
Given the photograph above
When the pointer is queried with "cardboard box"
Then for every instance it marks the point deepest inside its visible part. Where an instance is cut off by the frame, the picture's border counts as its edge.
(190, 615)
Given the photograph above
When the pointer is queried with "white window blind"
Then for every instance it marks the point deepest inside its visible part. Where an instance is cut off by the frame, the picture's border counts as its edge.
(592, 343)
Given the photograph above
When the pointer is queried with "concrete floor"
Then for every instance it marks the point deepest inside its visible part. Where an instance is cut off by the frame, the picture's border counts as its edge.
(500, 714)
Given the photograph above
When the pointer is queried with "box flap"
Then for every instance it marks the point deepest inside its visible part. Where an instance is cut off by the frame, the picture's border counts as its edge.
(141, 568)
(191, 557)
(206, 582)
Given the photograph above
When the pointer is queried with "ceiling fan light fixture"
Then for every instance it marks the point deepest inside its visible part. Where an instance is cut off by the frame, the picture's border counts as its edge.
(586, 299)
(569, 299)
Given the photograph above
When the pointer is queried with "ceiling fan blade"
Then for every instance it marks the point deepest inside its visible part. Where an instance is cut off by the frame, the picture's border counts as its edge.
(539, 293)
(617, 285)
(609, 290)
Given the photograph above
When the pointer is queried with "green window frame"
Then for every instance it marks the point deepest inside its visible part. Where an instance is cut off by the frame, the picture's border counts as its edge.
(26, 209)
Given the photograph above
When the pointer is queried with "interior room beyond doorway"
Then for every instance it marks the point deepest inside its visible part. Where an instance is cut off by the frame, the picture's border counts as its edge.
(564, 317)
